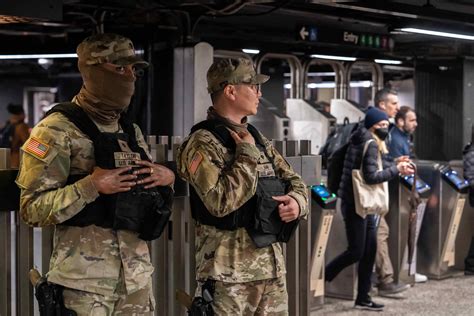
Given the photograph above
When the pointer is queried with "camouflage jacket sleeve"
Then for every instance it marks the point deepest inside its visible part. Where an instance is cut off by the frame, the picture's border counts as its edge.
(141, 140)
(298, 189)
(45, 197)
(224, 183)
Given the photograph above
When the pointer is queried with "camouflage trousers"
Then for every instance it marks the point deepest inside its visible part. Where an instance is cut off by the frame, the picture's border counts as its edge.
(83, 303)
(265, 297)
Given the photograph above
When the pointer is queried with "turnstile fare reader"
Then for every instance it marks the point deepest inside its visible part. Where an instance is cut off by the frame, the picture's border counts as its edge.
(398, 220)
(436, 246)
(322, 213)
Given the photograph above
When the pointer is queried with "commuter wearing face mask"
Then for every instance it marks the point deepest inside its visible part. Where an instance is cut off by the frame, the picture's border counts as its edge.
(361, 232)
(387, 101)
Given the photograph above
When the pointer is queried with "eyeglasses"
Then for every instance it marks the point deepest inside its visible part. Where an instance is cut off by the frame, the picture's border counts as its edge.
(254, 87)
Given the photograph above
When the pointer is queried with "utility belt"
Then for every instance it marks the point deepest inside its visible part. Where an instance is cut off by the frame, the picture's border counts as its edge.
(259, 215)
(145, 211)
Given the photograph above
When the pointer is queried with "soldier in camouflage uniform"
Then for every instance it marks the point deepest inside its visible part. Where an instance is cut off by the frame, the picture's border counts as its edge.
(104, 272)
(248, 280)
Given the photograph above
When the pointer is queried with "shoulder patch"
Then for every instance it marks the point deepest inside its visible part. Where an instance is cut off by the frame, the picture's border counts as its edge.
(195, 162)
(37, 147)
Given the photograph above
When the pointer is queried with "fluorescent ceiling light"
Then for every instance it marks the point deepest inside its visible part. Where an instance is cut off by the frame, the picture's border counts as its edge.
(353, 84)
(43, 61)
(436, 33)
(344, 58)
(37, 56)
(314, 74)
(250, 51)
(388, 61)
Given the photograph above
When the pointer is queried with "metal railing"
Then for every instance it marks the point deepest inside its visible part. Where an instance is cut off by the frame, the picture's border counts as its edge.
(172, 254)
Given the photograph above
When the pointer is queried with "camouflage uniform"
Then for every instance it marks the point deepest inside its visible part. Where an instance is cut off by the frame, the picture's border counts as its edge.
(94, 264)
(249, 279)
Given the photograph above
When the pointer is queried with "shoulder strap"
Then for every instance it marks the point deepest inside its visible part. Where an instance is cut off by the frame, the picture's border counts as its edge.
(220, 131)
(78, 117)
(128, 128)
(366, 145)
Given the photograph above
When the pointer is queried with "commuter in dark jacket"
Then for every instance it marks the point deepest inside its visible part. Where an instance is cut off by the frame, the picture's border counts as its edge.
(361, 232)
(468, 159)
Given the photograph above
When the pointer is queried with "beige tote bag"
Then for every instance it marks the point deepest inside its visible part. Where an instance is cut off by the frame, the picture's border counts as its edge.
(369, 198)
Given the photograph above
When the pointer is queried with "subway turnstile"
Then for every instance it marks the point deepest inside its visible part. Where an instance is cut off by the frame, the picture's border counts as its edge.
(436, 245)
(345, 284)
(322, 213)
(466, 227)
(398, 221)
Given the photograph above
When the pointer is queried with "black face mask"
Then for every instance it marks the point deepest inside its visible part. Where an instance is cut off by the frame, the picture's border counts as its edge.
(382, 133)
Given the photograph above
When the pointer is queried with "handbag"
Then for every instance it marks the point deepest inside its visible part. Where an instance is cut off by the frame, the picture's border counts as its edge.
(369, 198)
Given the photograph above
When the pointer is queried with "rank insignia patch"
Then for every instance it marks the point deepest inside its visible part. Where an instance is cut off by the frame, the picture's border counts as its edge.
(37, 147)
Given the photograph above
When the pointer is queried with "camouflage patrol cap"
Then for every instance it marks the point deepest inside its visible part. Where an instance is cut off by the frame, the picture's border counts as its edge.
(108, 48)
(232, 71)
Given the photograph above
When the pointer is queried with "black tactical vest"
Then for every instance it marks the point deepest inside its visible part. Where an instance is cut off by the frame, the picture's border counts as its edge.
(259, 215)
(145, 211)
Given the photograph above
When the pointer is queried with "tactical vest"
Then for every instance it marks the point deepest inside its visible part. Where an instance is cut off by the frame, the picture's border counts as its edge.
(145, 211)
(259, 215)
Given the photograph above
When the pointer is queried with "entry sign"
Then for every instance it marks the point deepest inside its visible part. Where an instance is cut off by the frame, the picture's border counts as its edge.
(308, 33)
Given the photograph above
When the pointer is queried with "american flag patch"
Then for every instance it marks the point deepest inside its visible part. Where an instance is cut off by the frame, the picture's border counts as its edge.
(194, 164)
(37, 148)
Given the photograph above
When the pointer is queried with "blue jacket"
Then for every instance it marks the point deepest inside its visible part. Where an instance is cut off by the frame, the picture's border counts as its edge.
(399, 143)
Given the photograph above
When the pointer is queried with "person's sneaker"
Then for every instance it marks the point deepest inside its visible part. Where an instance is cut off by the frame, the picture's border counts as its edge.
(369, 305)
(392, 288)
(420, 278)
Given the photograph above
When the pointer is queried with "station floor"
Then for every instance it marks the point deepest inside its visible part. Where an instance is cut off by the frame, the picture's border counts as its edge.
(453, 296)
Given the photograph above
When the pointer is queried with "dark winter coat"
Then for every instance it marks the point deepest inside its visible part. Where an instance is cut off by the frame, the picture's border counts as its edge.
(370, 166)
(468, 161)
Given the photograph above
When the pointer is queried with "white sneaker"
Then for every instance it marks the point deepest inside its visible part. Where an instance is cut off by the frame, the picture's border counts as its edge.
(420, 278)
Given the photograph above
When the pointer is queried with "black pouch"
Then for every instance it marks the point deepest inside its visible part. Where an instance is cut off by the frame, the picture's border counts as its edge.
(267, 218)
(158, 215)
(145, 211)
(267, 226)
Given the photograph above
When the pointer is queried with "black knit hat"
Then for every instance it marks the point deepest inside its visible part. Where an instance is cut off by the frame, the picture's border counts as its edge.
(373, 116)
(15, 108)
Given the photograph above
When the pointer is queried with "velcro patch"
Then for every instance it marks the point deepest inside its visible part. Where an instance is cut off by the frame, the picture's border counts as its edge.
(37, 148)
(124, 159)
(195, 162)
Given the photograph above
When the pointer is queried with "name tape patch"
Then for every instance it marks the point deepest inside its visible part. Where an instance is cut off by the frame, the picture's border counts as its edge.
(124, 159)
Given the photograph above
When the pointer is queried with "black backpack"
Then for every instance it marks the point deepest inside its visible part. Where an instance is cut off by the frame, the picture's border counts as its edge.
(335, 152)
(6, 135)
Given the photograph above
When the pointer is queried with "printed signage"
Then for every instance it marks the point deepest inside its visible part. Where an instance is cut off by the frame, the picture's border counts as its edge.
(316, 34)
